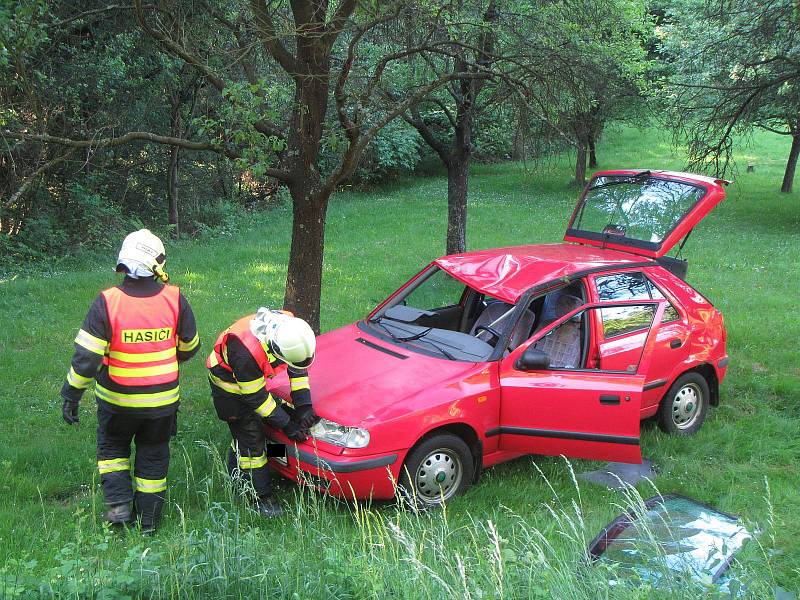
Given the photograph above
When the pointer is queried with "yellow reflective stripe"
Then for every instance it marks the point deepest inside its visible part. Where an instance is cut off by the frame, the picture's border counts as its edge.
(255, 462)
(142, 357)
(213, 361)
(299, 383)
(78, 381)
(150, 486)
(190, 345)
(250, 387)
(267, 407)
(138, 400)
(91, 343)
(228, 386)
(114, 464)
(143, 371)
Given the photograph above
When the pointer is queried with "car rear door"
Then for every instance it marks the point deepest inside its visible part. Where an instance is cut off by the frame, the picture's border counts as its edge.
(617, 344)
(577, 412)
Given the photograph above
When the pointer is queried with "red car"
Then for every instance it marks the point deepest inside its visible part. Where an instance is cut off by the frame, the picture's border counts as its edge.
(542, 349)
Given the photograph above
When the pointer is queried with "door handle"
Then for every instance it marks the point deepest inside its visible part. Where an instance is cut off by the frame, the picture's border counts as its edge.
(609, 399)
(675, 344)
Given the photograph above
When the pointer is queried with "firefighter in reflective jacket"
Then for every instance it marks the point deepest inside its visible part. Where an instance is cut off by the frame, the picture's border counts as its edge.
(243, 356)
(131, 343)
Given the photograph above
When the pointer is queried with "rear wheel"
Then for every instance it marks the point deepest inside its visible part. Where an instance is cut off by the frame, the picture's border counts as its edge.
(683, 409)
(436, 470)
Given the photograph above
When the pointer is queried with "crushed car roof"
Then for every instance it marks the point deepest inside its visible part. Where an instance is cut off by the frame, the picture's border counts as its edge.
(507, 273)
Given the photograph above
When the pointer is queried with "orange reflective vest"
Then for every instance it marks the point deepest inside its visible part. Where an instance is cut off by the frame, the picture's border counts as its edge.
(241, 329)
(142, 350)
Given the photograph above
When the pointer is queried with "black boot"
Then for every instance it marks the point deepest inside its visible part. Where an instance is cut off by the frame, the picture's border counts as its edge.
(268, 507)
(119, 514)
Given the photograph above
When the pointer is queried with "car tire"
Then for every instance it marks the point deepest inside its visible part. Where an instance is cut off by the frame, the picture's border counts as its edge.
(684, 407)
(437, 469)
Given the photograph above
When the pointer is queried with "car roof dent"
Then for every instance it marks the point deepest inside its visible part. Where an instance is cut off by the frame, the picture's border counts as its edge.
(507, 273)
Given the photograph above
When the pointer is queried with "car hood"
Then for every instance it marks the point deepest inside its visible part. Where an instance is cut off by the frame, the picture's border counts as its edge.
(358, 379)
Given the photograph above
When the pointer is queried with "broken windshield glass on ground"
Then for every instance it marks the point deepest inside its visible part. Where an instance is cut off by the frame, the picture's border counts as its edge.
(672, 539)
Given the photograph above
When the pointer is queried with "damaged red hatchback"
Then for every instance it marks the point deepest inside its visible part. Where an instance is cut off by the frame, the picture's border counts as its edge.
(541, 349)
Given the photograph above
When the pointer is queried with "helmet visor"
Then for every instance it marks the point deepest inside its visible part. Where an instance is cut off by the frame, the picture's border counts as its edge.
(303, 364)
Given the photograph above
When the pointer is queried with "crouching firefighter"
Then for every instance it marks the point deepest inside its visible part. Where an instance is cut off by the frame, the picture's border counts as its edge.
(244, 355)
(131, 343)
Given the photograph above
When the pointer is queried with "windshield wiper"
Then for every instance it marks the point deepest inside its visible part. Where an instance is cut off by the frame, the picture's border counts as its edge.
(419, 337)
(628, 179)
(416, 336)
(408, 338)
(377, 321)
(437, 347)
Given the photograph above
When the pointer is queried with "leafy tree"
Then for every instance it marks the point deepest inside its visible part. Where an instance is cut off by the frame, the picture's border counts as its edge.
(601, 75)
(277, 68)
(449, 116)
(736, 66)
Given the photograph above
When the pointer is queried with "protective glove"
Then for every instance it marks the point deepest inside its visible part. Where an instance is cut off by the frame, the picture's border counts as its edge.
(70, 411)
(294, 432)
(305, 416)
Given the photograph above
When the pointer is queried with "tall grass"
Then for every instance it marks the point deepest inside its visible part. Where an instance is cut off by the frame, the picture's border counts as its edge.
(328, 548)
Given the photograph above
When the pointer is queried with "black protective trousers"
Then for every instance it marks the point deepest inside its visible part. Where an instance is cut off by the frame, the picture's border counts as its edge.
(115, 432)
(247, 456)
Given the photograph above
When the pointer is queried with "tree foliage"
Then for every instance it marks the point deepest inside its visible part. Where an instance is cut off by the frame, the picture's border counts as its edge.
(735, 66)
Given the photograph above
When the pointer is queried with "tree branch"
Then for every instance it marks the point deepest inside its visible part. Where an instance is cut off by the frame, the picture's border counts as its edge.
(416, 121)
(336, 24)
(349, 161)
(30, 179)
(266, 31)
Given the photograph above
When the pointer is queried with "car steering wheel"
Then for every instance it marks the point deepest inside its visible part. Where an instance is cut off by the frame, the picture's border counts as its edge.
(491, 330)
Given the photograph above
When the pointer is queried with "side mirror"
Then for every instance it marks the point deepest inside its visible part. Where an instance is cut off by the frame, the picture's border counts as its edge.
(533, 359)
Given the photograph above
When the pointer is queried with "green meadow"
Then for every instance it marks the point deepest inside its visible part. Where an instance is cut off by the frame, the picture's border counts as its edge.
(521, 531)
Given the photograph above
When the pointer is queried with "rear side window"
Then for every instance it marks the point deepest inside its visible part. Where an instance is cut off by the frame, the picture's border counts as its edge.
(629, 286)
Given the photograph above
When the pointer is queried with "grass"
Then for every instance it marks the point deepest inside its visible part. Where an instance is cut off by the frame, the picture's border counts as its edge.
(519, 533)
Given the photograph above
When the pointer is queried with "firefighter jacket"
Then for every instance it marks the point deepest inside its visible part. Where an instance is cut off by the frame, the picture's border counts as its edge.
(131, 342)
(239, 365)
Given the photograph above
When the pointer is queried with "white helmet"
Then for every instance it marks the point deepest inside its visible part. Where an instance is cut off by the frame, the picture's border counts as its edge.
(289, 338)
(142, 253)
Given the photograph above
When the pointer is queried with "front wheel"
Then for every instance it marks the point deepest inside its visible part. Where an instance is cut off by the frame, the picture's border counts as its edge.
(438, 469)
(683, 409)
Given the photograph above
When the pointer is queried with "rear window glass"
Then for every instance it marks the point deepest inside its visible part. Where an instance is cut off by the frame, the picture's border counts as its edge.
(644, 209)
(669, 536)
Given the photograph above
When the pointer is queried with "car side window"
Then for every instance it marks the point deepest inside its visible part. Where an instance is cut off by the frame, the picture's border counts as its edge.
(629, 286)
(670, 313)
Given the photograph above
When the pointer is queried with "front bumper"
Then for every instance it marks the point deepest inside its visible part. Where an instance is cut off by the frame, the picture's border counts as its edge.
(348, 477)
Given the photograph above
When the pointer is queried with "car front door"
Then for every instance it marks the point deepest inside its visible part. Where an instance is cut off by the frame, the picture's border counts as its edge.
(577, 412)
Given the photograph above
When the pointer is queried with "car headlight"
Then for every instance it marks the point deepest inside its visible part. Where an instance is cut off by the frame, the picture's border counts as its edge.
(340, 435)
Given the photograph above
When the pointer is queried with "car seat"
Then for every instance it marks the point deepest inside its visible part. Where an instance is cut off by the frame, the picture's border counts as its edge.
(498, 310)
(563, 345)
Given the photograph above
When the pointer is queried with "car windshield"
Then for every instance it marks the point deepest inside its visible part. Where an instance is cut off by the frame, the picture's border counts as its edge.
(441, 316)
(635, 207)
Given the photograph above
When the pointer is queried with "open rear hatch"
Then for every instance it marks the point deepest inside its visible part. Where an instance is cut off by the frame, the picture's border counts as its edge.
(642, 212)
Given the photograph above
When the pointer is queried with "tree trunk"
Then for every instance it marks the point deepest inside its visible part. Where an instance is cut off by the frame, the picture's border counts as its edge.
(791, 164)
(172, 167)
(592, 152)
(172, 192)
(518, 148)
(457, 181)
(304, 276)
(580, 164)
